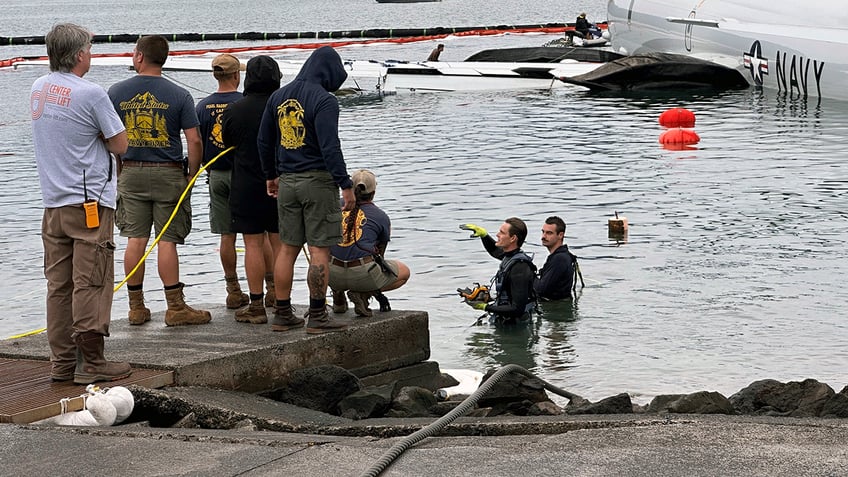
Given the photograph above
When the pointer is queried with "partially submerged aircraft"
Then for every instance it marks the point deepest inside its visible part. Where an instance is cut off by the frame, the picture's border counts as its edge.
(391, 77)
(799, 48)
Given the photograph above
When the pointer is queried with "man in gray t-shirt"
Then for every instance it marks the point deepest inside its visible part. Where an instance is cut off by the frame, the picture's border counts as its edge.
(74, 130)
(152, 178)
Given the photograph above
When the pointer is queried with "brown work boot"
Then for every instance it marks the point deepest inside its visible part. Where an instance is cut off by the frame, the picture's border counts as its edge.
(284, 320)
(93, 367)
(63, 371)
(139, 314)
(179, 313)
(270, 291)
(339, 302)
(235, 297)
(360, 303)
(320, 322)
(254, 313)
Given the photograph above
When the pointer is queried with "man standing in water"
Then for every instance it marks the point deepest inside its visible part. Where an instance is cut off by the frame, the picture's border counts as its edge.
(302, 158)
(514, 297)
(74, 130)
(152, 178)
(557, 275)
(227, 71)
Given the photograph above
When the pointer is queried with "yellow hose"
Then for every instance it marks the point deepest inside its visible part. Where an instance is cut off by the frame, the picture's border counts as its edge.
(171, 218)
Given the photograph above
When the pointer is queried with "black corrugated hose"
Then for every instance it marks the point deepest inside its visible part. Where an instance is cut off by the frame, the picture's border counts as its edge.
(396, 450)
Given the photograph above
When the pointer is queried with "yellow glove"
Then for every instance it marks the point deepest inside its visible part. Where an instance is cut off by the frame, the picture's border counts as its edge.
(476, 230)
(477, 305)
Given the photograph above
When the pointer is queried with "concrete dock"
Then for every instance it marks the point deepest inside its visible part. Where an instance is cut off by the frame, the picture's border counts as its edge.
(218, 367)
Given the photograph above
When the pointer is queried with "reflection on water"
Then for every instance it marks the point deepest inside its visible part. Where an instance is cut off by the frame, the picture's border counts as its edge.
(541, 346)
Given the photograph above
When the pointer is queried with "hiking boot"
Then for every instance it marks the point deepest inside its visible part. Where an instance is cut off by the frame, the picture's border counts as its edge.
(284, 320)
(339, 302)
(235, 297)
(139, 314)
(63, 371)
(270, 293)
(360, 303)
(179, 313)
(320, 322)
(93, 367)
(254, 313)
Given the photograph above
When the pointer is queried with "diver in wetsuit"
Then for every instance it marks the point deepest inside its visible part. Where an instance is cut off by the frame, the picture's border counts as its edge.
(514, 296)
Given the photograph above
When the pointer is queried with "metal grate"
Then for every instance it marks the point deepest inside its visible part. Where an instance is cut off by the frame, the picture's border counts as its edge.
(28, 394)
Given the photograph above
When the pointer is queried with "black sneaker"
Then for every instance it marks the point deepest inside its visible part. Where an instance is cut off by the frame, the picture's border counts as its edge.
(285, 320)
(320, 322)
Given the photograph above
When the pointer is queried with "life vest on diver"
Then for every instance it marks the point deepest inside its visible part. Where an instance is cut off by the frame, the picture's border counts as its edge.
(502, 296)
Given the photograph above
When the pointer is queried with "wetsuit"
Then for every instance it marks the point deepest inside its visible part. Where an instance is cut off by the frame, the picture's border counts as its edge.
(556, 276)
(514, 282)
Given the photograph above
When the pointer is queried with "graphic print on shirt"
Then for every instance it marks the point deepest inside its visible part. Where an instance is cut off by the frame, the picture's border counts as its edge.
(144, 117)
(215, 111)
(290, 121)
(50, 93)
(350, 237)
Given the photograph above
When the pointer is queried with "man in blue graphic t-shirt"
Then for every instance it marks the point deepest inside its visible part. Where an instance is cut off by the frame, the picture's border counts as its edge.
(152, 178)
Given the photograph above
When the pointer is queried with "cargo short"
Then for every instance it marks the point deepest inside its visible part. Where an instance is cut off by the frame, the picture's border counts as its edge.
(147, 197)
(309, 209)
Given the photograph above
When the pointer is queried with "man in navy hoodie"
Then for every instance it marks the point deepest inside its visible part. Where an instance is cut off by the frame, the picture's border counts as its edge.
(304, 168)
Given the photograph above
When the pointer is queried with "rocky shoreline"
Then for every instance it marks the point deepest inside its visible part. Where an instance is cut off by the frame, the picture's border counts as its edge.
(341, 398)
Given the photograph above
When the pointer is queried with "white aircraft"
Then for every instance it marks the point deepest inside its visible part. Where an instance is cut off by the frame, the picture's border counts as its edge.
(797, 47)
(391, 77)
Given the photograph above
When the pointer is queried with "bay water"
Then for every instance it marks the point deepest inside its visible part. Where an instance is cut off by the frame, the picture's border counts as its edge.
(732, 270)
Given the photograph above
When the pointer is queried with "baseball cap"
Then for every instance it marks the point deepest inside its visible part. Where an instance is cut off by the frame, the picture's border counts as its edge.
(364, 180)
(226, 63)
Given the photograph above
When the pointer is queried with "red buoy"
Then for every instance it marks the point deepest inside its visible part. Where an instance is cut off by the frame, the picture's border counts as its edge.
(677, 118)
(679, 136)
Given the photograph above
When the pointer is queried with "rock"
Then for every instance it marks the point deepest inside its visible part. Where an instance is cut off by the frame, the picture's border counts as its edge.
(512, 388)
(544, 408)
(245, 425)
(372, 401)
(412, 401)
(618, 404)
(795, 399)
(702, 402)
(321, 388)
(189, 421)
(837, 406)
(661, 403)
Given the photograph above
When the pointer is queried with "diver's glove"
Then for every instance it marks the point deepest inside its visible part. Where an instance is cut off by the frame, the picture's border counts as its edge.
(477, 305)
(476, 230)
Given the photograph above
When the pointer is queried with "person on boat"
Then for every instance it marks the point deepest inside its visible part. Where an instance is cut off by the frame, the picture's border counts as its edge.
(557, 275)
(304, 169)
(153, 177)
(434, 55)
(253, 212)
(226, 69)
(514, 295)
(356, 262)
(582, 26)
(75, 130)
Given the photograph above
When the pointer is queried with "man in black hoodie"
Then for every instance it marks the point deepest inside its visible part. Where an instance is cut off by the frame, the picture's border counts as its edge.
(253, 212)
(304, 168)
